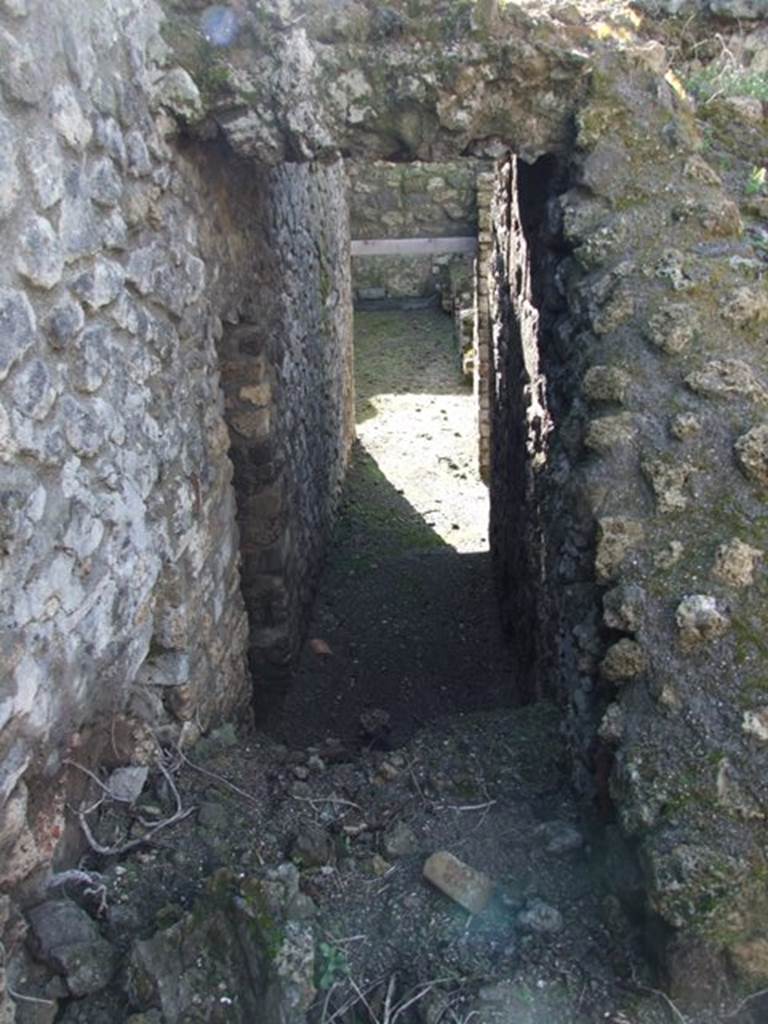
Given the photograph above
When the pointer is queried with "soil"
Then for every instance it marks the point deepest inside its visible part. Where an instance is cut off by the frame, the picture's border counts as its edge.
(398, 737)
(405, 606)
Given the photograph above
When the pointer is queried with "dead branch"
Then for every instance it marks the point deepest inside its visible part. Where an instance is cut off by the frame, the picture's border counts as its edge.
(113, 851)
(745, 1003)
(217, 778)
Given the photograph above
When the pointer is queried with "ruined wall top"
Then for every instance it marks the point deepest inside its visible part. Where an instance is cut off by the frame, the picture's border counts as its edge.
(407, 81)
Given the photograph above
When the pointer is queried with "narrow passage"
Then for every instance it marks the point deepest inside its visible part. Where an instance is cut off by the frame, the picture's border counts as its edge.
(405, 606)
(304, 857)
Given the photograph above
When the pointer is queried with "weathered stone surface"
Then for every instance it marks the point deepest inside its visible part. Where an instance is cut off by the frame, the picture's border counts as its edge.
(606, 384)
(752, 454)
(617, 537)
(623, 660)
(105, 184)
(101, 285)
(9, 173)
(67, 938)
(673, 328)
(20, 73)
(18, 328)
(624, 607)
(746, 306)
(700, 620)
(68, 117)
(755, 723)
(736, 562)
(258, 956)
(44, 162)
(723, 378)
(177, 92)
(64, 323)
(34, 390)
(685, 426)
(610, 432)
(669, 482)
(39, 257)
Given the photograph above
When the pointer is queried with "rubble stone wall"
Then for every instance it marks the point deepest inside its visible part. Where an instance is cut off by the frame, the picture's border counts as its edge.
(133, 258)
(628, 416)
(409, 200)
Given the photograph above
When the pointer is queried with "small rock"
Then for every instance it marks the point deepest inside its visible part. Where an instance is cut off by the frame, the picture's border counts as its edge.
(752, 454)
(465, 885)
(68, 118)
(617, 536)
(723, 378)
(559, 837)
(312, 848)
(399, 841)
(699, 620)
(375, 724)
(100, 285)
(685, 426)
(735, 563)
(213, 815)
(18, 328)
(126, 784)
(379, 866)
(608, 432)
(668, 481)
(320, 647)
(606, 384)
(611, 728)
(67, 939)
(746, 306)
(39, 258)
(177, 92)
(673, 328)
(541, 918)
(755, 723)
(624, 608)
(301, 908)
(623, 660)
(670, 556)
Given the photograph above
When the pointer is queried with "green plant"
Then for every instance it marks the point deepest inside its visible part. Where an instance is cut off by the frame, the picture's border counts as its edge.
(758, 179)
(330, 964)
(725, 79)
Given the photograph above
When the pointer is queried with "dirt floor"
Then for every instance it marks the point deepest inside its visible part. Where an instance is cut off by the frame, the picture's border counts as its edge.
(405, 620)
(396, 738)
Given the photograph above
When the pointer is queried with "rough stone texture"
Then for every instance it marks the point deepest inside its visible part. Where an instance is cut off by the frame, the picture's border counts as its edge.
(166, 261)
(239, 952)
(387, 200)
(413, 81)
(722, 8)
(133, 256)
(635, 513)
(287, 379)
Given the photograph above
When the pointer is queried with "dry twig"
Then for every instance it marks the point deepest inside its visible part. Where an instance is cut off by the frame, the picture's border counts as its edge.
(112, 851)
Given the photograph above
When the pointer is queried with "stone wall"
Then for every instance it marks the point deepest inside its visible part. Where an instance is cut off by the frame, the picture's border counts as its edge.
(288, 382)
(407, 200)
(628, 408)
(137, 263)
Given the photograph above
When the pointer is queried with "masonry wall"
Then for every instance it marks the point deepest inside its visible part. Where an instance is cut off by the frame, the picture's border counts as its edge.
(133, 258)
(410, 200)
(627, 475)
(288, 381)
